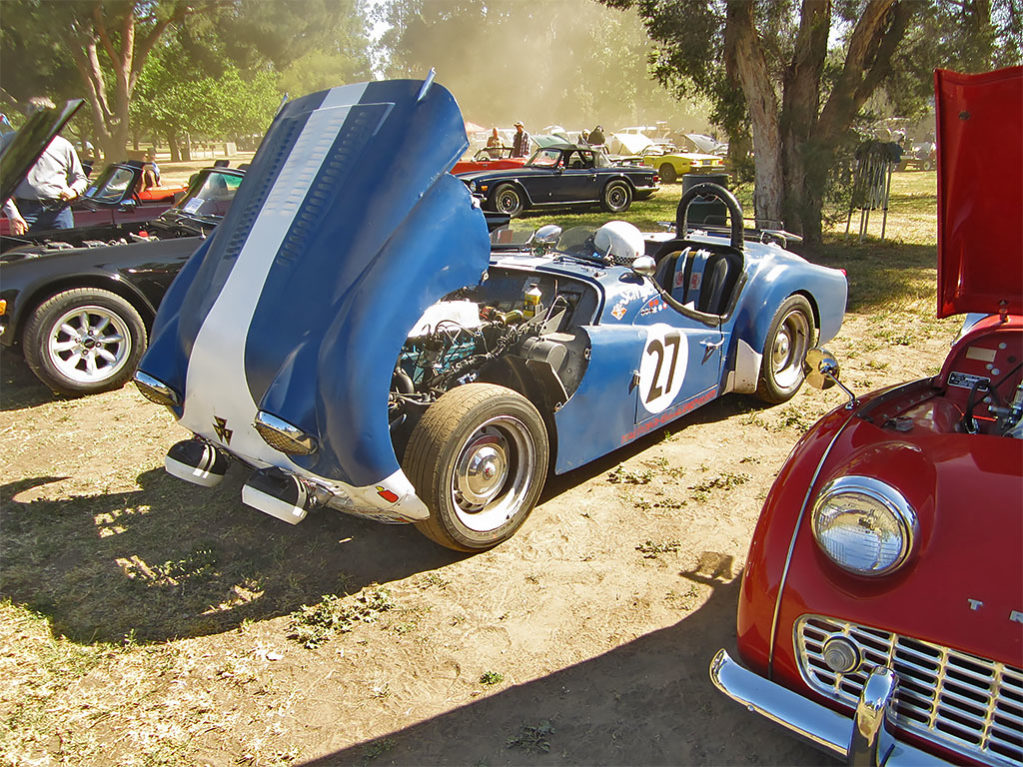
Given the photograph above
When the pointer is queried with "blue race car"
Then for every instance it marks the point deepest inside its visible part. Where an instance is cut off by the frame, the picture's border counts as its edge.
(351, 334)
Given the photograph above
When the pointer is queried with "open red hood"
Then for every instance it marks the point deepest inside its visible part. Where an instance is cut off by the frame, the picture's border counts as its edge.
(980, 191)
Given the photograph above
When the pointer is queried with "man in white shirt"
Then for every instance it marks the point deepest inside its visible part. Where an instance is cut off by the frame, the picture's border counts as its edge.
(43, 199)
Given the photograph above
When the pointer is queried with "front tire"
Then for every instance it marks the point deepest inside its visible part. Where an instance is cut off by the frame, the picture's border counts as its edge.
(84, 340)
(508, 199)
(478, 459)
(617, 197)
(667, 173)
(789, 337)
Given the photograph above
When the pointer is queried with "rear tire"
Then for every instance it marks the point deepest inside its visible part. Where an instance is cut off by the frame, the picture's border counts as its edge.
(83, 341)
(478, 460)
(667, 173)
(617, 197)
(508, 199)
(789, 338)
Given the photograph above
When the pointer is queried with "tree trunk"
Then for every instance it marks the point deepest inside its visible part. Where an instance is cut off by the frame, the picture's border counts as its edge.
(85, 34)
(800, 106)
(172, 142)
(745, 53)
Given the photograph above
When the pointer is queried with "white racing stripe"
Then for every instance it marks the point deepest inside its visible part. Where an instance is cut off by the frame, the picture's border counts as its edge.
(216, 383)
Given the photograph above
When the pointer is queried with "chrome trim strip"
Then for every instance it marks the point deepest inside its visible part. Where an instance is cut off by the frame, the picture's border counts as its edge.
(792, 542)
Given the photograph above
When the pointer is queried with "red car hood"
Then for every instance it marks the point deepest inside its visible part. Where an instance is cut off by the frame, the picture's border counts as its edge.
(962, 586)
(980, 191)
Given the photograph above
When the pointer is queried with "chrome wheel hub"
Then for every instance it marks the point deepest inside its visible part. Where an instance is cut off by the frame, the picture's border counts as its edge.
(88, 344)
(789, 349)
(493, 473)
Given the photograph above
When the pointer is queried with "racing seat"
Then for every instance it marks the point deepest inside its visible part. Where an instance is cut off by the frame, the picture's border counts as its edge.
(702, 279)
(720, 274)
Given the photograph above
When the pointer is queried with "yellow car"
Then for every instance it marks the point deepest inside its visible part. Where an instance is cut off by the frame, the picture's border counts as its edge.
(671, 166)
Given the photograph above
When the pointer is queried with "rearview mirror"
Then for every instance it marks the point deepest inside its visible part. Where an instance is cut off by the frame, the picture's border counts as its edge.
(822, 368)
(645, 266)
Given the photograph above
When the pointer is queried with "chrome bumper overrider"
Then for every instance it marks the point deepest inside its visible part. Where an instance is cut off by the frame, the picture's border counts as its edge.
(862, 740)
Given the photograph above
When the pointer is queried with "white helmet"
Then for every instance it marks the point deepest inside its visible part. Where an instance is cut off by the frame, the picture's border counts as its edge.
(619, 239)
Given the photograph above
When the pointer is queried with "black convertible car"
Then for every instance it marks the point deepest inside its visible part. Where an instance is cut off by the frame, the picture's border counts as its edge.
(81, 315)
(564, 174)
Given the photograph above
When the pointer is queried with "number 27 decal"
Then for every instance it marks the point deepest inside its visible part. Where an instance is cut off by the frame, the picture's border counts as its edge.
(663, 367)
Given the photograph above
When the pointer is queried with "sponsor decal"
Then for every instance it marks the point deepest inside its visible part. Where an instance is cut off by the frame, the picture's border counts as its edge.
(220, 429)
(680, 277)
(388, 495)
(652, 306)
(695, 280)
(662, 367)
(670, 415)
(619, 311)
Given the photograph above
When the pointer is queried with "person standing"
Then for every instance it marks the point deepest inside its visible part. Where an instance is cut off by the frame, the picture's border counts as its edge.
(43, 199)
(520, 142)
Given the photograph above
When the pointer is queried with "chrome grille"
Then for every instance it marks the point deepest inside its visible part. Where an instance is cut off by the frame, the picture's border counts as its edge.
(965, 703)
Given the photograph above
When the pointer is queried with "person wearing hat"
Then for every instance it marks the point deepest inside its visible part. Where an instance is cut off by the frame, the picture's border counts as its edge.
(520, 142)
(42, 201)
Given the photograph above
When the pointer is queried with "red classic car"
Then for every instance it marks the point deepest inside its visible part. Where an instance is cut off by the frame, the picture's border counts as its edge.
(881, 609)
(116, 197)
(490, 158)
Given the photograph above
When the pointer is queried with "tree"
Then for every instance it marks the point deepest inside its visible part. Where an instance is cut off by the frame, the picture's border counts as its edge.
(107, 43)
(801, 74)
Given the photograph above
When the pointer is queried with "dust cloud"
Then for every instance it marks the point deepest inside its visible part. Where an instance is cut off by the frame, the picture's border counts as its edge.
(572, 63)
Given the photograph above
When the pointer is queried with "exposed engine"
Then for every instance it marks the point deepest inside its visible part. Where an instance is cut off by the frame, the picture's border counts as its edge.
(523, 342)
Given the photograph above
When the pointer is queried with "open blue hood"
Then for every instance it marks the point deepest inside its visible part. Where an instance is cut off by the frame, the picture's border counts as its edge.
(345, 229)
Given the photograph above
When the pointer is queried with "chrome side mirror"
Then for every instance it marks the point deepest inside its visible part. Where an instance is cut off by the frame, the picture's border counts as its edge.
(822, 368)
(644, 266)
(822, 373)
(545, 238)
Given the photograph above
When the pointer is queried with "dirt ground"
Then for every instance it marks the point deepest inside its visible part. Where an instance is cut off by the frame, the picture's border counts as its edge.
(151, 622)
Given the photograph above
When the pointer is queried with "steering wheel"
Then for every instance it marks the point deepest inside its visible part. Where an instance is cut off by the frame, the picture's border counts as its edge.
(719, 192)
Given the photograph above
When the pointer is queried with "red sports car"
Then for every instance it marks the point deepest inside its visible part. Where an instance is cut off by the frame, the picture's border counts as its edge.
(881, 610)
(116, 197)
(490, 158)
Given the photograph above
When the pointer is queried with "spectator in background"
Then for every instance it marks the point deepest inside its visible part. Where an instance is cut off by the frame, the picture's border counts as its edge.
(150, 171)
(43, 199)
(520, 143)
(596, 137)
(494, 145)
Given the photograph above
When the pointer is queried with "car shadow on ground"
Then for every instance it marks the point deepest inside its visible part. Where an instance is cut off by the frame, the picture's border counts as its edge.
(174, 560)
(647, 702)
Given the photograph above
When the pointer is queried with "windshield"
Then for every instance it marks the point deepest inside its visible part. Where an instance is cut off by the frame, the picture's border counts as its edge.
(545, 158)
(111, 185)
(209, 195)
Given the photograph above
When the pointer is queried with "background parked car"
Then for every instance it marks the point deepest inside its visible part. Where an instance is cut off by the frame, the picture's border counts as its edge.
(562, 174)
(81, 315)
(670, 164)
(112, 200)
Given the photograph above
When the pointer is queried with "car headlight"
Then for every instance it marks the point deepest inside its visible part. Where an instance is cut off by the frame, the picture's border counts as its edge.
(864, 525)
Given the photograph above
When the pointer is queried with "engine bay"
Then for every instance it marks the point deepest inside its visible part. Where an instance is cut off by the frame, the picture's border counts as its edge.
(519, 328)
(980, 390)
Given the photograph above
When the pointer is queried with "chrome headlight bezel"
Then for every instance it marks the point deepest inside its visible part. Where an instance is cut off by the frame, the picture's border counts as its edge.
(834, 510)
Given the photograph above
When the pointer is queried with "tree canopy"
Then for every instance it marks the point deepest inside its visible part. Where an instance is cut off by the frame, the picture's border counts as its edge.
(800, 73)
(100, 49)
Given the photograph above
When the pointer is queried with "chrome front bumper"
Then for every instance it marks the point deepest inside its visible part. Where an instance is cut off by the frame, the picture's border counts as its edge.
(863, 740)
